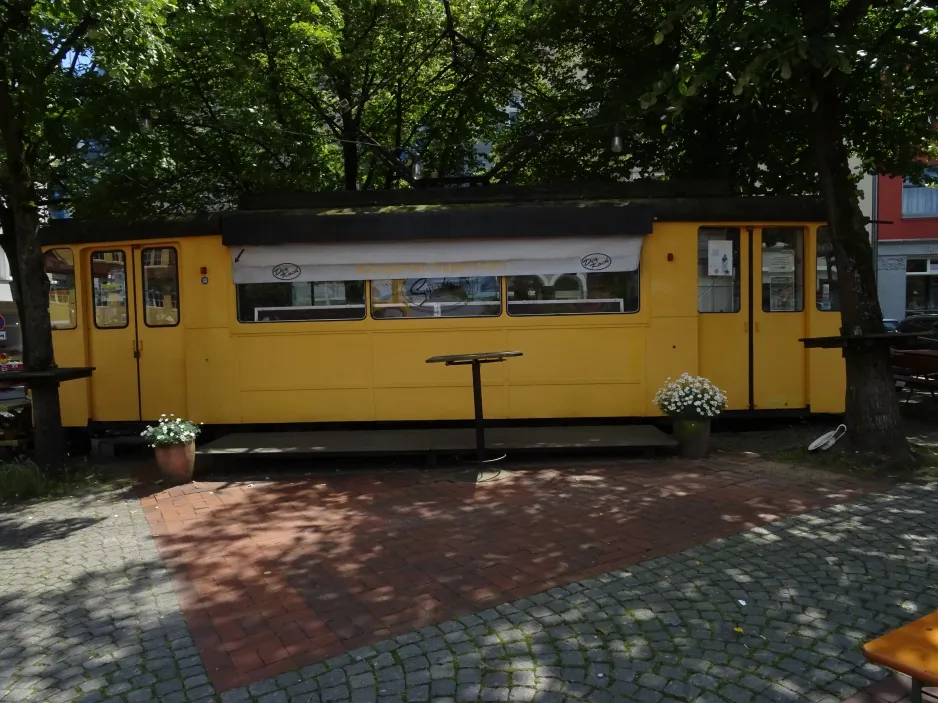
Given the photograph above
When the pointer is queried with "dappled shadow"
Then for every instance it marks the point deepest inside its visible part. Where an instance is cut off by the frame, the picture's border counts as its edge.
(276, 574)
(22, 532)
(776, 613)
(87, 607)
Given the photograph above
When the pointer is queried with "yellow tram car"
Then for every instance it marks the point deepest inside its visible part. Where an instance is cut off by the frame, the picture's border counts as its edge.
(324, 310)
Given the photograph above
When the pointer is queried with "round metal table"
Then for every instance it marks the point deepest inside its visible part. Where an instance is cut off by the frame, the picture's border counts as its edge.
(476, 360)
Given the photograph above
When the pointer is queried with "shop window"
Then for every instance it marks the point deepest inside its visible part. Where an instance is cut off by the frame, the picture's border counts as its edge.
(921, 200)
(782, 269)
(921, 286)
(59, 265)
(476, 296)
(305, 301)
(109, 289)
(160, 287)
(718, 269)
(594, 293)
(827, 294)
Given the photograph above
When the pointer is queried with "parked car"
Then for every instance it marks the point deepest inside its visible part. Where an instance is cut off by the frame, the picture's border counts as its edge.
(927, 324)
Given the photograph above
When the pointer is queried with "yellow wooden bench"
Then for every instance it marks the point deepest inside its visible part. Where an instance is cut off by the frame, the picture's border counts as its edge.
(912, 650)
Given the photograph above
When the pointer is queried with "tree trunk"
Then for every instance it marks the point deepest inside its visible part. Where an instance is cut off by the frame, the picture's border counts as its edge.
(33, 288)
(872, 407)
(350, 152)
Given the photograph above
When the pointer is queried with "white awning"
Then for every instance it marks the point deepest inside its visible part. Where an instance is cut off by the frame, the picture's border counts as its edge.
(434, 258)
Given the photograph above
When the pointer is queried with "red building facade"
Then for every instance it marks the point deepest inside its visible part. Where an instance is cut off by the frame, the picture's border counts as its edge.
(907, 247)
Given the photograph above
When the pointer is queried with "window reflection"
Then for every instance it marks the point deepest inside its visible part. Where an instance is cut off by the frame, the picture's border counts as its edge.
(475, 296)
(59, 265)
(109, 289)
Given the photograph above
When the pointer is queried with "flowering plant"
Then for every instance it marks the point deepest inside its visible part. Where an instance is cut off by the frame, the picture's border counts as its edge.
(171, 430)
(690, 397)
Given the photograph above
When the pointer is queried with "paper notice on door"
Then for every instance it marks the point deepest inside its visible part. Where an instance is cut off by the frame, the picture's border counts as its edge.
(778, 261)
(720, 257)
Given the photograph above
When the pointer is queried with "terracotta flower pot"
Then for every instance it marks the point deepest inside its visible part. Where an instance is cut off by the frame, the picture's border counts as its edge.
(176, 462)
(693, 436)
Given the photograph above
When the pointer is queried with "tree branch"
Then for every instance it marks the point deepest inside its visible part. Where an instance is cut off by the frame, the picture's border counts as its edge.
(79, 31)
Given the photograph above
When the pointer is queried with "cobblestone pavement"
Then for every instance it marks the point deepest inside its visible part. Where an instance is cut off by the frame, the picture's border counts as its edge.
(775, 613)
(87, 609)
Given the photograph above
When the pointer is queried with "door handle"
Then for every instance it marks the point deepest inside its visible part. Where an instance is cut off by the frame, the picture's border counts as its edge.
(137, 347)
(746, 327)
(757, 326)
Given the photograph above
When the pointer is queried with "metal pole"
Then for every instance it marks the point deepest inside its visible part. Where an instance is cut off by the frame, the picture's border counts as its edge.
(477, 399)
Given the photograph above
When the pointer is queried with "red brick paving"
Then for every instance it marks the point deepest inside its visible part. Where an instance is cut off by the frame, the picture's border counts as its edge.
(275, 575)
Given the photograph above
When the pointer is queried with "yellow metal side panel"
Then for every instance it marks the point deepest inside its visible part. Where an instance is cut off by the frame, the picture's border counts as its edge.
(577, 371)
(669, 288)
(441, 403)
(209, 304)
(724, 355)
(406, 387)
(69, 347)
(670, 350)
(299, 377)
(212, 377)
(322, 405)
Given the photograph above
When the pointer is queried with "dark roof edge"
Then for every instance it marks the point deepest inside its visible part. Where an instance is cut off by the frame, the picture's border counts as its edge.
(75, 231)
(629, 190)
(737, 210)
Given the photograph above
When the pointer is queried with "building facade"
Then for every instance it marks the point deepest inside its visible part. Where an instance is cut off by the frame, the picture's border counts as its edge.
(907, 248)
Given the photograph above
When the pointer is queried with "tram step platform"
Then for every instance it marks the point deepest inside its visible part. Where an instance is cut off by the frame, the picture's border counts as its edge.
(516, 440)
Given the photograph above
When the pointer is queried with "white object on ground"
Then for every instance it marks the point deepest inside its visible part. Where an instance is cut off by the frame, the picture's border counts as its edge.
(827, 440)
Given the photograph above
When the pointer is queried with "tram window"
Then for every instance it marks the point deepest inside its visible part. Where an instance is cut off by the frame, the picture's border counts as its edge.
(109, 289)
(304, 301)
(596, 293)
(828, 288)
(476, 296)
(718, 269)
(782, 269)
(59, 265)
(160, 287)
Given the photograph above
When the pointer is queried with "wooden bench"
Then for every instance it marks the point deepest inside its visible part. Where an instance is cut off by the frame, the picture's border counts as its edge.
(916, 369)
(910, 650)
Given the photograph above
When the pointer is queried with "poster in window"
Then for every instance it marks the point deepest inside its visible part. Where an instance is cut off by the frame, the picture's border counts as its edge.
(778, 261)
(720, 257)
(782, 294)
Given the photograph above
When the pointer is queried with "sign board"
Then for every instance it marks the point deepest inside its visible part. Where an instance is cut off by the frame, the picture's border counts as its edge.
(3, 322)
(3, 335)
(719, 257)
(778, 261)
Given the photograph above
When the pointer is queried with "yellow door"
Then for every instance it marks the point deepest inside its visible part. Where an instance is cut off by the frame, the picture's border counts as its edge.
(723, 307)
(160, 342)
(779, 368)
(112, 337)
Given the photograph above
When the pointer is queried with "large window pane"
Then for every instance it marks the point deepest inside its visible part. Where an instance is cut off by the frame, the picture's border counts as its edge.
(594, 293)
(718, 269)
(301, 302)
(476, 296)
(921, 295)
(60, 268)
(782, 269)
(109, 289)
(828, 288)
(920, 201)
(160, 287)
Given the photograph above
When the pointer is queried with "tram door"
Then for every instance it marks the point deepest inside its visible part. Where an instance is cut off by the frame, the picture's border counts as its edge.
(112, 336)
(779, 359)
(135, 341)
(723, 304)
